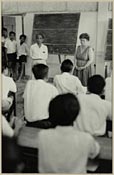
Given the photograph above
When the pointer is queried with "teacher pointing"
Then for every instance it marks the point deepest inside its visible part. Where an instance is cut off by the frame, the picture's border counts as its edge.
(84, 57)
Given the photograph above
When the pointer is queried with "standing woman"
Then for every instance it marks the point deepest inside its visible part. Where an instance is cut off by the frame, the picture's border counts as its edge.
(84, 57)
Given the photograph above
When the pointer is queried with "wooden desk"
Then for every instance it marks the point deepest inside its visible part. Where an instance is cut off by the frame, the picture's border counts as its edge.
(28, 137)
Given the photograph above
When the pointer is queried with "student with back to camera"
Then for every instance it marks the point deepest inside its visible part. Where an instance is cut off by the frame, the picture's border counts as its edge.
(94, 110)
(62, 149)
(37, 95)
(66, 82)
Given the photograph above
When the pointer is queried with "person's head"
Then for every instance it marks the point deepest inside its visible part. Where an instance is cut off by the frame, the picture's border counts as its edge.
(39, 38)
(63, 110)
(66, 66)
(12, 35)
(84, 39)
(4, 69)
(96, 84)
(11, 156)
(40, 71)
(22, 38)
(4, 32)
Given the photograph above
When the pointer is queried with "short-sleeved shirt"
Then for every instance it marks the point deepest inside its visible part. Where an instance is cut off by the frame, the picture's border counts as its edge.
(11, 46)
(67, 83)
(22, 49)
(6, 129)
(37, 52)
(37, 96)
(65, 150)
(93, 114)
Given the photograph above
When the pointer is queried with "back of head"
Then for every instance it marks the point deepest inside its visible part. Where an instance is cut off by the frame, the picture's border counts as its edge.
(40, 71)
(66, 66)
(63, 110)
(11, 155)
(96, 84)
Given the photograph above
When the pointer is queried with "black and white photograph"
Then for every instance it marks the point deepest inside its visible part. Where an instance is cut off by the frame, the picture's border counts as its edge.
(56, 86)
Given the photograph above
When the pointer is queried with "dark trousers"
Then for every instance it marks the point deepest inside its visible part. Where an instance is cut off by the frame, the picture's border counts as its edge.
(12, 62)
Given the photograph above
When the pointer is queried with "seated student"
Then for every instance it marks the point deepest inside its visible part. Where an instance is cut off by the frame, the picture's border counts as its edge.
(63, 149)
(8, 131)
(66, 82)
(8, 85)
(37, 95)
(108, 87)
(94, 110)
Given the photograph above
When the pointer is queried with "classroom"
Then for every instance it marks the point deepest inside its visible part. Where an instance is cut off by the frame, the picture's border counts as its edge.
(56, 92)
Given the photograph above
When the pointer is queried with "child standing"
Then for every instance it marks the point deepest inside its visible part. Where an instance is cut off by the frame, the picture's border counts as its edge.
(11, 49)
(22, 53)
(63, 149)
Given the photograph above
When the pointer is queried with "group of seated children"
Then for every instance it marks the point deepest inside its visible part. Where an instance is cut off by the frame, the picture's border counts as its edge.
(66, 133)
(69, 117)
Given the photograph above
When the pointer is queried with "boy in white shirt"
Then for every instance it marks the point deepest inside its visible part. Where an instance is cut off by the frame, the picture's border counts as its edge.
(37, 95)
(22, 53)
(11, 49)
(39, 51)
(63, 149)
(94, 110)
(66, 82)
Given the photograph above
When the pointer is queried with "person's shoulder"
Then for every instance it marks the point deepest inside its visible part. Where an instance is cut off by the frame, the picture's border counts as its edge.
(33, 45)
(74, 77)
(10, 79)
(50, 85)
(85, 136)
(57, 76)
(45, 133)
(44, 46)
(90, 48)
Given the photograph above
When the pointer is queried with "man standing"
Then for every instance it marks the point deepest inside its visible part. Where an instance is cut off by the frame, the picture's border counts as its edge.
(39, 51)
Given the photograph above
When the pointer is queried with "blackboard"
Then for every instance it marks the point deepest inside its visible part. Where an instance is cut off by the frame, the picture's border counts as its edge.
(60, 31)
(108, 55)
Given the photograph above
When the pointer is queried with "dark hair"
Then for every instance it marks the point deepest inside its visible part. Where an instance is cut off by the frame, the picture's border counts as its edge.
(84, 36)
(11, 155)
(63, 110)
(96, 84)
(40, 35)
(23, 36)
(10, 33)
(66, 66)
(40, 71)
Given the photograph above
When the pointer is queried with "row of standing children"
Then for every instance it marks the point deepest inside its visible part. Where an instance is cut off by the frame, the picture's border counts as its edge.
(14, 54)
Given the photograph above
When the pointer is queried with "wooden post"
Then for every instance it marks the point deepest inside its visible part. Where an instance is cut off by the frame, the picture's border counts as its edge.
(59, 58)
(22, 24)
